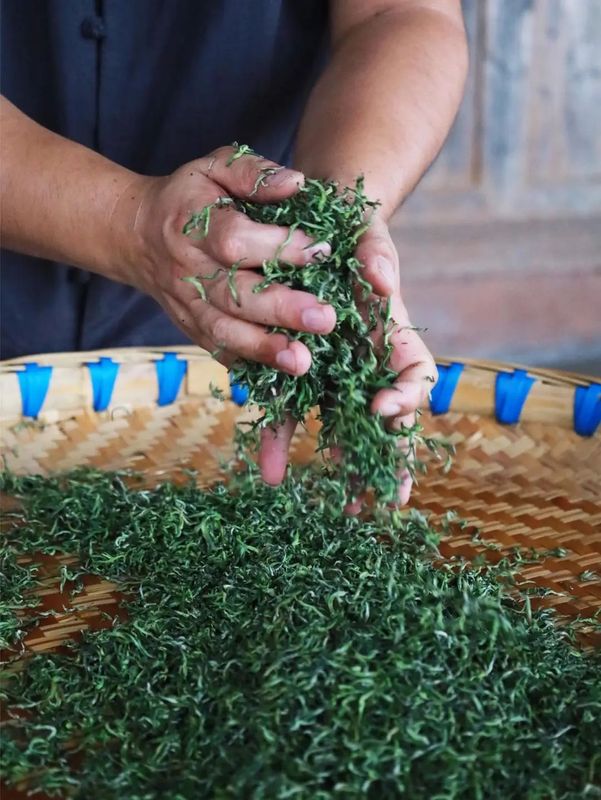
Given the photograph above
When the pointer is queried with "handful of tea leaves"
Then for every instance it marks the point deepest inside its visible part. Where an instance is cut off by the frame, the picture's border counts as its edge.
(347, 369)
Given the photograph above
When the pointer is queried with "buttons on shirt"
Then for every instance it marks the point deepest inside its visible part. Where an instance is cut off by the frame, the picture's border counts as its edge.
(93, 28)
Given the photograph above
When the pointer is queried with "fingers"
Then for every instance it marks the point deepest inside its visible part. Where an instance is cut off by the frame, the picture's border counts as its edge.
(180, 314)
(417, 374)
(409, 391)
(232, 238)
(415, 366)
(355, 506)
(249, 176)
(378, 255)
(405, 487)
(410, 358)
(277, 305)
(406, 481)
(273, 453)
(248, 341)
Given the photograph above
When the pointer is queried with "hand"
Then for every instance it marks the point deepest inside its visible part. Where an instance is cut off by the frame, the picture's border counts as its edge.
(230, 328)
(410, 358)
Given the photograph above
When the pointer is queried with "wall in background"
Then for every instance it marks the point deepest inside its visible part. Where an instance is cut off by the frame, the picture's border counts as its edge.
(500, 244)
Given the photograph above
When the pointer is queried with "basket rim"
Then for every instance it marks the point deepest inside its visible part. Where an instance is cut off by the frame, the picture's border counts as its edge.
(55, 386)
(151, 353)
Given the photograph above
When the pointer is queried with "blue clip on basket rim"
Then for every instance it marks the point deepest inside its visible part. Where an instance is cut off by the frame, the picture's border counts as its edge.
(34, 382)
(103, 374)
(443, 391)
(238, 392)
(170, 373)
(587, 409)
(511, 391)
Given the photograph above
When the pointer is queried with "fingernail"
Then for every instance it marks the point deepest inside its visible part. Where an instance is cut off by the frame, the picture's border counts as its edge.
(386, 270)
(285, 176)
(316, 319)
(389, 408)
(316, 251)
(285, 360)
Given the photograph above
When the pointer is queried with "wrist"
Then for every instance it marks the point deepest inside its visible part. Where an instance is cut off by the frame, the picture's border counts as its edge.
(127, 257)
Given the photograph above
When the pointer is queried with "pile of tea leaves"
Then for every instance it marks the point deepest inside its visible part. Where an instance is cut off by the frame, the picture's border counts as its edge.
(275, 648)
(350, 364)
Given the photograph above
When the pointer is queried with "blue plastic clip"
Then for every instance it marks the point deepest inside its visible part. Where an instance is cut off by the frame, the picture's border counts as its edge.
(34, 382)
(238, 392)
(587, 409)
(170, 373)
(511, 391)
(103, 374)
(443, 391)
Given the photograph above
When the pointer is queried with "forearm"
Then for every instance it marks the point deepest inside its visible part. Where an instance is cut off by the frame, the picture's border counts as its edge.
(386, 101)
(59, 199)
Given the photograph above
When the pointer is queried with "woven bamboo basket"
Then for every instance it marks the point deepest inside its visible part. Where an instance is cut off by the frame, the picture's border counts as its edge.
(526, 473)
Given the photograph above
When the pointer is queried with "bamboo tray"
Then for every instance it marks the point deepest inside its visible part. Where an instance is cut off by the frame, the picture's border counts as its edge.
(523, 476)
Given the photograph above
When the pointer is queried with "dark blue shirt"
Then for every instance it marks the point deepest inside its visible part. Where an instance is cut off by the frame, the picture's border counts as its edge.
(150, 84)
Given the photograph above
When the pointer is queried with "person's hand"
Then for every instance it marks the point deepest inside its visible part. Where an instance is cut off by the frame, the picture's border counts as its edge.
(410, 358)
(229, 327)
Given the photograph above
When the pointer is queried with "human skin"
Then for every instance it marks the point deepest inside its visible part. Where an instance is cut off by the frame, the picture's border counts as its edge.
(381, 108)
